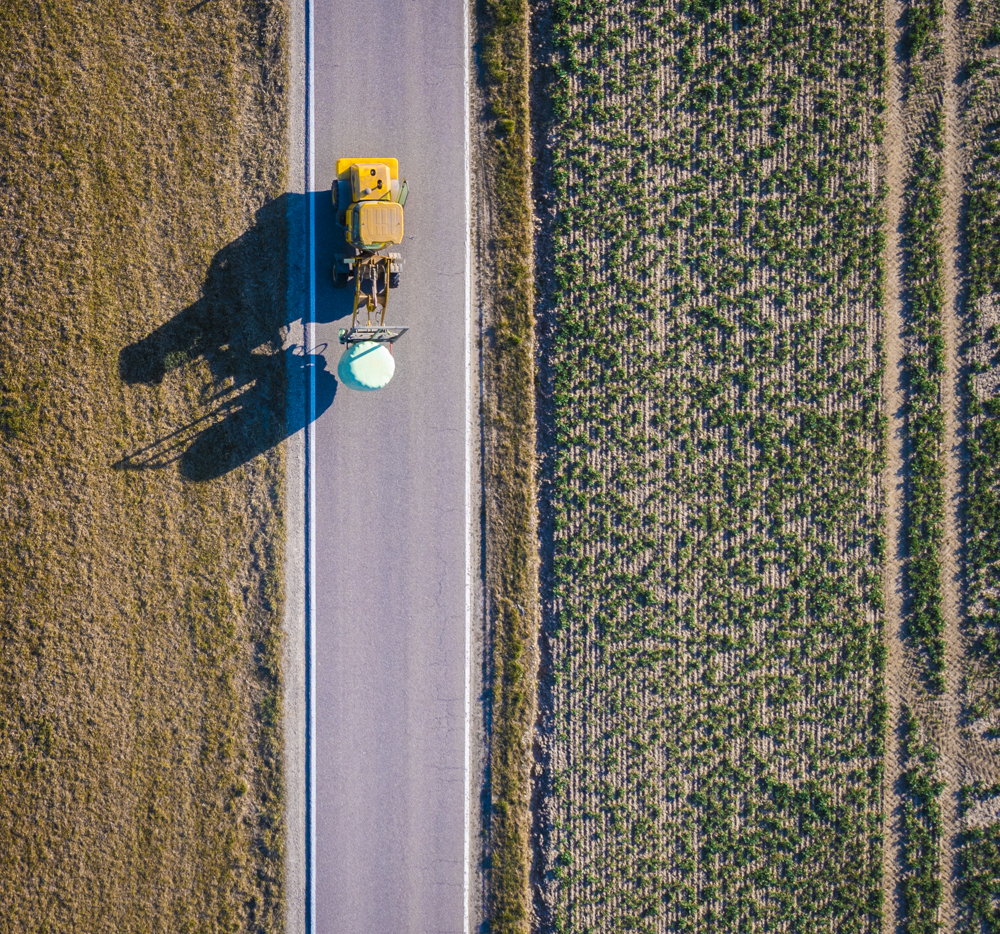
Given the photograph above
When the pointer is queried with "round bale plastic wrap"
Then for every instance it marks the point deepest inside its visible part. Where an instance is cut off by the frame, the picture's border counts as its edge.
(367, 365)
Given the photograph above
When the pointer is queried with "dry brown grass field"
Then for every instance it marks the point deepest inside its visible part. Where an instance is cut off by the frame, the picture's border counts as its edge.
(141, 402)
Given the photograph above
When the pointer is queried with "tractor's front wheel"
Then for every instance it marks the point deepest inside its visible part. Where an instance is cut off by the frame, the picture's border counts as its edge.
(335, 195)
(393, 280)
(340, 275)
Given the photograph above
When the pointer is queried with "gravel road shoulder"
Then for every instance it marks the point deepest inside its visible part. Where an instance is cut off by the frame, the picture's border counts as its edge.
(296, 805)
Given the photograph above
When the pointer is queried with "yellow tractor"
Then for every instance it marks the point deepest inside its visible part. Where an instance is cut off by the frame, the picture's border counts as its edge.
(368, 200)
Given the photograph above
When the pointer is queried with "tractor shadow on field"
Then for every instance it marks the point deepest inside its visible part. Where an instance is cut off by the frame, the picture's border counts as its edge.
(240, 327)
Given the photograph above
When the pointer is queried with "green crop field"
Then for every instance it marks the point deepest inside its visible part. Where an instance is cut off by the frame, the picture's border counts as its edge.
(769, 680)
(718, 718)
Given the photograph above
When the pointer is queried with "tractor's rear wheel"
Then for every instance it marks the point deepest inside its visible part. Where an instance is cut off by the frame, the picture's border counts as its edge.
(335, 195)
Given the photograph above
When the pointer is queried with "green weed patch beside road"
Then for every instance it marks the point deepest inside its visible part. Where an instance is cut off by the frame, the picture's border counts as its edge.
(718, 713)
(141, 397)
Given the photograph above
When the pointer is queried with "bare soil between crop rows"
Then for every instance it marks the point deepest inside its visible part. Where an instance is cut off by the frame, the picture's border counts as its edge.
(896, 677)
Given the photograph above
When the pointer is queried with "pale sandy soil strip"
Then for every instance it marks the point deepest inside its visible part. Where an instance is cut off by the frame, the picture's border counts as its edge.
(952, 766)
(895, 675)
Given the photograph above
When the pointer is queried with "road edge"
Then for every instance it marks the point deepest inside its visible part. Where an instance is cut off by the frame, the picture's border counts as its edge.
(474, 901)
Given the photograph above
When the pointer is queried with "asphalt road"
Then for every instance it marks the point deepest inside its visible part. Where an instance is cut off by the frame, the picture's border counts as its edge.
(389, 492)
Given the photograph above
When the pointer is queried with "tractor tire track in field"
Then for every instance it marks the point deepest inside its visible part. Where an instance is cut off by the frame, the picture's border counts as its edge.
(922, 89)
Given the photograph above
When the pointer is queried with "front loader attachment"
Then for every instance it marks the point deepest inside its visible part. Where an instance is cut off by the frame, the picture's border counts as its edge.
(367, 362)
(374, 275)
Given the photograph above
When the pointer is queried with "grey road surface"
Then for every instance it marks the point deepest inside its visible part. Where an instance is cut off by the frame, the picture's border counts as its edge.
(389, 491)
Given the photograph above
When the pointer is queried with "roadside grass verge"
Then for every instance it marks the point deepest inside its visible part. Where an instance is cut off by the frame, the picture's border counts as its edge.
(140, 682)
(508, 455)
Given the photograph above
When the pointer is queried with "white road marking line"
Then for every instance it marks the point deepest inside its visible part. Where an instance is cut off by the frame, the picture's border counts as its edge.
(310, 341)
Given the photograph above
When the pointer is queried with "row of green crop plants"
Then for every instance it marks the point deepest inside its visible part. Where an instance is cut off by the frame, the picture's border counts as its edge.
(982, 354)
(921, 787)
(922, 829)
(718, 718)
(979, 863)
(979, 843)
(924, 366)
